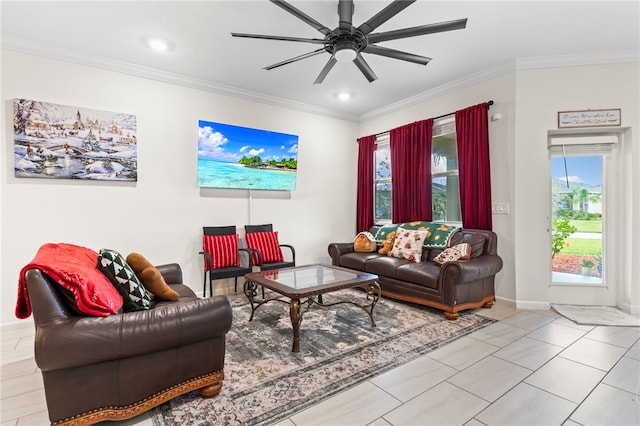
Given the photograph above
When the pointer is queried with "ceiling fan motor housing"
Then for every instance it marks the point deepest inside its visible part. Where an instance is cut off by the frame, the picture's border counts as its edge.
(345, 44)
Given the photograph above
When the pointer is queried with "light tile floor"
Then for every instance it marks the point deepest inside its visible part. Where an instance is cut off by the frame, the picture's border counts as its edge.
(530, 368)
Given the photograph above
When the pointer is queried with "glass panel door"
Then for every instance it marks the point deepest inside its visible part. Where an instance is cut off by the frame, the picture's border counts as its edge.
(577, 218)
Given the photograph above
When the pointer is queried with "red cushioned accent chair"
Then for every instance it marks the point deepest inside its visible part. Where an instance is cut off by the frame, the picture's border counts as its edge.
(264, 266)
(218, 273)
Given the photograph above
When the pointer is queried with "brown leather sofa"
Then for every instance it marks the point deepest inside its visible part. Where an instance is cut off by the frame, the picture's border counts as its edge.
(116, 367)
(452, 287)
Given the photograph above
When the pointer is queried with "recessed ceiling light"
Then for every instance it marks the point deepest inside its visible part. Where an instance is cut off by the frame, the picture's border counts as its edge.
(344, 96)
(157, 44)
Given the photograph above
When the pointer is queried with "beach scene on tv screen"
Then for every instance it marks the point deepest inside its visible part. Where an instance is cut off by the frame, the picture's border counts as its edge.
(245, 158)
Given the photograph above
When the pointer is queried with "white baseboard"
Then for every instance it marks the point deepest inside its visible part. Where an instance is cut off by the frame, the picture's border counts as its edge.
(506, 301)
(524, 304)
(533, 305)
(630, 309)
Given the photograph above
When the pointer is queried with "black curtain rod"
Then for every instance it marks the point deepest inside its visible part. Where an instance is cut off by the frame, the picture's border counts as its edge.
(489, 103)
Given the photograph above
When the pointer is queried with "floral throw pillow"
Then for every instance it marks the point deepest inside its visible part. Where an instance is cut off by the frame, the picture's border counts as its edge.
(408, 244)
(457, 252)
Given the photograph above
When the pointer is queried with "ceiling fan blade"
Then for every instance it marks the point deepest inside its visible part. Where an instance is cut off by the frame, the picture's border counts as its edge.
(384, 15)
(297, 58)
(332, 61)
(365, 68)
(283, 38)
(302, 16)
(439, 27)
(396, 54)
(345, 13)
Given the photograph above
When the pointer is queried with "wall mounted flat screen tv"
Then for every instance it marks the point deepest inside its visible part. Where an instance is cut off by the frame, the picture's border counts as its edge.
(245, 158)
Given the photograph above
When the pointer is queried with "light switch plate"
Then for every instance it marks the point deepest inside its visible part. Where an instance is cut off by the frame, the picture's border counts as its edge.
(500, 208)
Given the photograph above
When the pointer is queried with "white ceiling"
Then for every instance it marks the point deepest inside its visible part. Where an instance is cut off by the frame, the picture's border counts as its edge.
(499, 36)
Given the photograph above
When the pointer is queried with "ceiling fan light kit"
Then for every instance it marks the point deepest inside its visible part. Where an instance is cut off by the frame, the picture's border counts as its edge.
(346, 43)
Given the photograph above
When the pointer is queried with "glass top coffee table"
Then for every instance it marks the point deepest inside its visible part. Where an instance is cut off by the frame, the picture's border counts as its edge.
(305, 285)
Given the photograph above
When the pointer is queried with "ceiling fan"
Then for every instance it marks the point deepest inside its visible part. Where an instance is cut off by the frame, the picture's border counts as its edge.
(346, 42)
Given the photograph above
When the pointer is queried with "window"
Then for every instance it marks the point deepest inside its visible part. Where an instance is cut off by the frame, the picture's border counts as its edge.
(445, 186)
(382, 182)
(444, 175)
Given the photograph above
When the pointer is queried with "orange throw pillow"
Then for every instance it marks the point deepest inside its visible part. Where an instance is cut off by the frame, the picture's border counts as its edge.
(151, 278)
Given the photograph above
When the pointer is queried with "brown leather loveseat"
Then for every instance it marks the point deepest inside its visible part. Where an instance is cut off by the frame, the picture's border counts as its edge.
(118, 366)
(452, 287)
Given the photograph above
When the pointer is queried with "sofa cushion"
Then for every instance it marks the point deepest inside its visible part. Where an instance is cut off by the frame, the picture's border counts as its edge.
(115, 267)
(408, 244)
(384, 265)
(457, 252)
(357, 260)
(423, 273)
(223, 250)
(268, 244)
(475, 240)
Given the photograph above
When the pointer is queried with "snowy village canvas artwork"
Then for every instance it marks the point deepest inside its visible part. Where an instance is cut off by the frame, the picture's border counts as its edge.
(68, 142)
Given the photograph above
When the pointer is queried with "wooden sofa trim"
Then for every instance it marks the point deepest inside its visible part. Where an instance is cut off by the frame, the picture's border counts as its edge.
(209, 386)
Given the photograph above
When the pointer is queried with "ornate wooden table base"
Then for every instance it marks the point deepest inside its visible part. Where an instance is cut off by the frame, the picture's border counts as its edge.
(303, 296)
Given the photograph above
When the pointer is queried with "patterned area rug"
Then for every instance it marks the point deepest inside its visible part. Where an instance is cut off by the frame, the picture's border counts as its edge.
(597, 315)
(265, 382)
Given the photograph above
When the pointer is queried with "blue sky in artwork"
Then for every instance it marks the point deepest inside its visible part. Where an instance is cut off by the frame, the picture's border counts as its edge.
(228, 143)
(583, 169)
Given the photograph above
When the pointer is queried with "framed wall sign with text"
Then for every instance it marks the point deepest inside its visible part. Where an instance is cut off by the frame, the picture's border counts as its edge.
(589, 118)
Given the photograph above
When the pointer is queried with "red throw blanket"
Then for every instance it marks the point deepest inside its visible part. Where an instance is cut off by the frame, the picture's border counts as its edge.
(75, 268)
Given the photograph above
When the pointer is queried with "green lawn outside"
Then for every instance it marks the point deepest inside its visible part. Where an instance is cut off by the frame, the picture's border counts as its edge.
(583, 246)
(587, 225)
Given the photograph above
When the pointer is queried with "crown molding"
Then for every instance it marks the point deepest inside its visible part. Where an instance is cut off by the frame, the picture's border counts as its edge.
(54, 52)
(444, 89)
(505, 68)
(577, 60)
(57, 53)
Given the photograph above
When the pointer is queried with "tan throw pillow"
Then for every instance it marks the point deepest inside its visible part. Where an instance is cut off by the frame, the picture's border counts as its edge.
(458, 252)
(364, 242)
(408, 244)
(151, 278)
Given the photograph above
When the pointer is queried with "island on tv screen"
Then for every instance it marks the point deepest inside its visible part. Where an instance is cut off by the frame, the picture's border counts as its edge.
(240, 157)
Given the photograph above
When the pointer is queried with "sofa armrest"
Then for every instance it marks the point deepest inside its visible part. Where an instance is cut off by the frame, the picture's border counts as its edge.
(471, 270)
(90, 340)
(171, 272)
(338, 249)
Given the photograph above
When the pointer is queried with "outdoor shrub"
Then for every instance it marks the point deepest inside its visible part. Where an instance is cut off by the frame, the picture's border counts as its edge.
(586, 263)
(560, 230)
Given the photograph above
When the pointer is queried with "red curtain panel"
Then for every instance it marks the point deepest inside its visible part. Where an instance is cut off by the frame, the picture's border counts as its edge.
(472, 131)
(364, 207)
(410, 147)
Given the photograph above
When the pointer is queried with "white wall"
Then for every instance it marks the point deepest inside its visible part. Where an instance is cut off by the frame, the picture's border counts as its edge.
(501, 134)
(529, 101)
(540, 94)
(162, 214)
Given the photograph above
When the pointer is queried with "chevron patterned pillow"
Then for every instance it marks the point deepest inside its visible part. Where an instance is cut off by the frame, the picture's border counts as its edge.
(115, 267)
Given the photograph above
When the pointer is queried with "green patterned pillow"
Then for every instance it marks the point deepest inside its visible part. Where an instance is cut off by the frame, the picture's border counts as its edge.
(116, 268)
(383, 231)
(439, 234)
